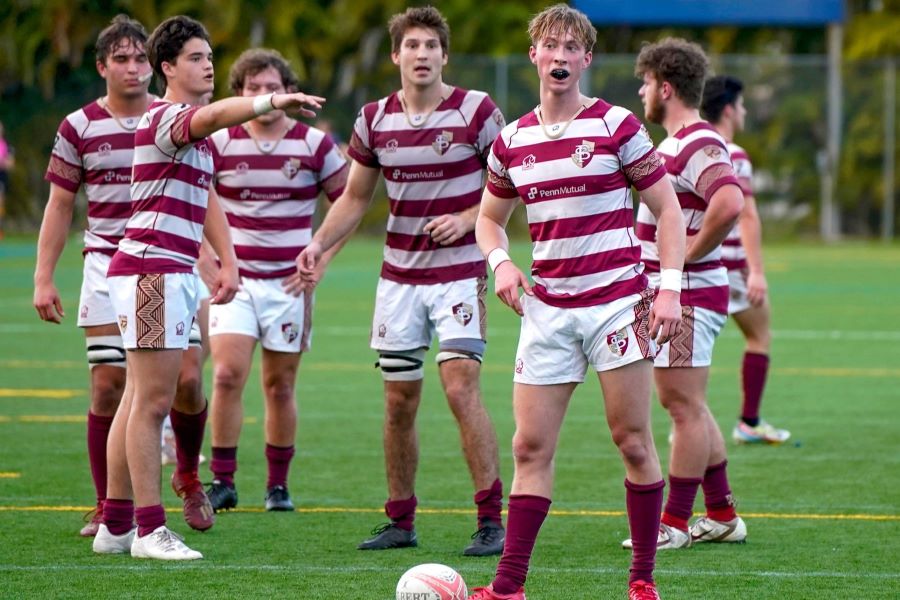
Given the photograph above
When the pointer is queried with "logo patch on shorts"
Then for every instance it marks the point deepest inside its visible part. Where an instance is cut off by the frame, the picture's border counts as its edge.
(290, 331)
(520, 366)
(123, 323)
(382, 330)
(618, 342)
(179, 328)
(462, 312)
(84, 312)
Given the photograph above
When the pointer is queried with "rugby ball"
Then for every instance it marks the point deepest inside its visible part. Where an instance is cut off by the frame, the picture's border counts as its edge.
(431, 581)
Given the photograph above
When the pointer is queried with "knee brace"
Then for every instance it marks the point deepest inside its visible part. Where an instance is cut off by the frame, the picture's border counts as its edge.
(445, 355)
(105, 350)
(472, 349)
(404, 365)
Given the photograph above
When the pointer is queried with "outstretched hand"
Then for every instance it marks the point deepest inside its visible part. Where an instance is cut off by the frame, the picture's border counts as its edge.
(297, 103)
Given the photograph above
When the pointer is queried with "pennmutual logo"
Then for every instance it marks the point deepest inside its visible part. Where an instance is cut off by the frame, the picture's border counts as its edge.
(532, 193)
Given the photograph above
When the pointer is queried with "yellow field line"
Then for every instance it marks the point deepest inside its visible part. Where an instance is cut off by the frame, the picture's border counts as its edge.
(9, 475)
(466, 511)
(39, 393)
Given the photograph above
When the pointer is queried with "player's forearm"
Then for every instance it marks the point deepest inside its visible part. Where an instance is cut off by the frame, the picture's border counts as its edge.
(52, 238)
(221, 114)
(343, 217)
(724, 208)
(751, 235)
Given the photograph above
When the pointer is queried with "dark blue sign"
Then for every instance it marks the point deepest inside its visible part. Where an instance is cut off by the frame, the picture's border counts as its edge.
(713, 12)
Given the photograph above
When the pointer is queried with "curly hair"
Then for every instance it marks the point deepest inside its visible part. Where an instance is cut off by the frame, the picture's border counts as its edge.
(169, 38)
(557, 20)
(256, 60)
(122, 27)
(681, 63)
(427, 17)
(720, 91)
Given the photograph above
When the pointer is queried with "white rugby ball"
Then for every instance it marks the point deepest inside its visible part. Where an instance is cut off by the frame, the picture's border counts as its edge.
(431, 581)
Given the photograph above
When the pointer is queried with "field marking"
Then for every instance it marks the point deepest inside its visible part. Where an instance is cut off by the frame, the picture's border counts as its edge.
(72, 419)
(466, 511)
(470, 568)
(56, 394)
(9, 475)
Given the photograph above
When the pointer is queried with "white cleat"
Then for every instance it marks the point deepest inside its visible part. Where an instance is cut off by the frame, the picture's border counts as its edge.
(669, 538)
(108, 543)
(763, 433)
(162, 544)
(705, 529)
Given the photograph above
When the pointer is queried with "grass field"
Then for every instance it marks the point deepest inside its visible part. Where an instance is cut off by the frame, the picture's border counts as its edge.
(823, 511)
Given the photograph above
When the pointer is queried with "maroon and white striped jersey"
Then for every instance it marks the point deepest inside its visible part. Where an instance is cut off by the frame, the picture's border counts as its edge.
(431, 170)
(170, 182)
(577, 195)
(698, 164)
(269, 194)
(734, 257)
(94, 150)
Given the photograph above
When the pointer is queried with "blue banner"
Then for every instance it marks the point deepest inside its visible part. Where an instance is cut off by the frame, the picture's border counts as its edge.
(713, 12)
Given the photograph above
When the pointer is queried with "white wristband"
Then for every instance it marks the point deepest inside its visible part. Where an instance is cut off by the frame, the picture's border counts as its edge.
(497, 256)
(263, 104)
(670, 279)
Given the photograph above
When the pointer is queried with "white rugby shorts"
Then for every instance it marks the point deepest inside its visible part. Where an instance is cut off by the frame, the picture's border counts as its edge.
(737, 291)
(263, 310)
(408, 316)
(556, 345)
(693, 346)
(155, 311)
(94, 306)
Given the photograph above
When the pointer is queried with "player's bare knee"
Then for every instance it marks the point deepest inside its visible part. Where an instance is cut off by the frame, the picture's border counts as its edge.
(530, 450)
(280, 393)
(633, 446)
(227, 378)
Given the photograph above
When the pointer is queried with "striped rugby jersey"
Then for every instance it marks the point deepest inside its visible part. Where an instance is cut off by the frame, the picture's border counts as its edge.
(698, 164)
(733, 255)
(93, 150)
(270, 197)
(170, 182)
(576, 190)
(429, 171)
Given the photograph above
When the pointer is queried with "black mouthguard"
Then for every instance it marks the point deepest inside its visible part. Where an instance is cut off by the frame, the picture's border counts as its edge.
(559, 74)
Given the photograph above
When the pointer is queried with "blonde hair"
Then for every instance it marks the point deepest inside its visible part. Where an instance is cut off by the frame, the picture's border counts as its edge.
(560, 18)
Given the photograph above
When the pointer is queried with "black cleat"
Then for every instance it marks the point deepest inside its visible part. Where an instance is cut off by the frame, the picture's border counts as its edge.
(487, 541)
(221, 496)
(279, 499)
(389, 536)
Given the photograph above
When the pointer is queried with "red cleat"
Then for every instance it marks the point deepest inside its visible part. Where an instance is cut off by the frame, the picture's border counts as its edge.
(641, 590)
(92, 521)
(488, 593)
(198, 512)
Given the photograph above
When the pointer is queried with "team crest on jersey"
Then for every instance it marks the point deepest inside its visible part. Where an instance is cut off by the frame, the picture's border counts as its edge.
(104, 149)
(644, 131)
(203, 149)
(462, 312)
(583, 154)
(528, 162)
(242, 167)
(123, 323)
(713, 152)
(290, 331)
(498, 118)
(391, 146)
(618, 342)
(442, 142)
(291, 167)
(179, 328)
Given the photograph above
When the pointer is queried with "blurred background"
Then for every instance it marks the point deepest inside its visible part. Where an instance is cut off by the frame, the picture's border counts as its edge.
(341, 50)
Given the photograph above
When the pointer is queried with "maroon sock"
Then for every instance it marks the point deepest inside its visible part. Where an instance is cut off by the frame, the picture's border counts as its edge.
(149, 518)
(754, 369)
(188, 431)
(717, 493)
(524, 518)
(118, 515)
(402, 512)
(279, 459)
(224, 464)
(680, 504)
(490, 503)
(644, 503)
(97, 433)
